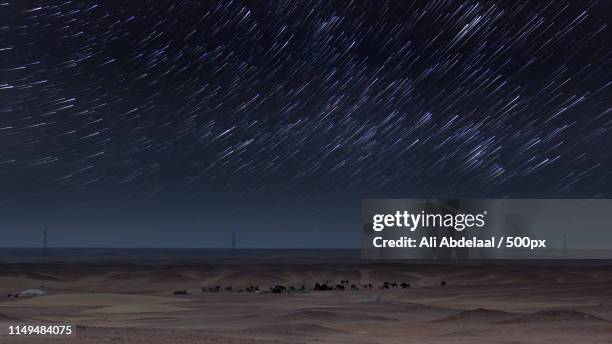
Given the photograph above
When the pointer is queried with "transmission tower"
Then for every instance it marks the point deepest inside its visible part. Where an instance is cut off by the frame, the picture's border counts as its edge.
(45, 243)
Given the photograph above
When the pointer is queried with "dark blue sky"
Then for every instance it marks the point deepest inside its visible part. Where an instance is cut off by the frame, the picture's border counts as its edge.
(174, 123)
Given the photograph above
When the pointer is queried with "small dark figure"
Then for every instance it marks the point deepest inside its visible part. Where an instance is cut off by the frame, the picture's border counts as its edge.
(405, 285)
(322, 287)
(339, 287)
(394, 285)
(181, 292)
(353, 287)
(279, 289)
(370, 286)
(229, 288)
(443, 283)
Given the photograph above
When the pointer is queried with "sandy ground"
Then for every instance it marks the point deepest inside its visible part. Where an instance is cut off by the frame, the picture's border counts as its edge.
(124, 303)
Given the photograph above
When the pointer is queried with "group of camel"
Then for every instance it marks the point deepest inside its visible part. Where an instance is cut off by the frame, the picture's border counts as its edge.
(279, 289)
(344, 285)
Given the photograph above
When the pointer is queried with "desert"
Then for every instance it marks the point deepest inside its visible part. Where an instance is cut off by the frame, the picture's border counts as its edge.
(379, 302)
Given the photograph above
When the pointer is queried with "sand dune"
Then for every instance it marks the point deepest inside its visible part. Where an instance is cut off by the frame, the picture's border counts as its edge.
(480, 315)
(301, 330)
(137, 308)
(554, 315)
(318, 315)
(131, 303)
(4, 317)
(89, 300)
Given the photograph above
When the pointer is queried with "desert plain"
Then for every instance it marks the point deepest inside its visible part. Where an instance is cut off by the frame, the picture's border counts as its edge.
(118, 302)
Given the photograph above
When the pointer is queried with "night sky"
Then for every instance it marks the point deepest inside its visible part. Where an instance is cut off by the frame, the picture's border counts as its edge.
(174, 123)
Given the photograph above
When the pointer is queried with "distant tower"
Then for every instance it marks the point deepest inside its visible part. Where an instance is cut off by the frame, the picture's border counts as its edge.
(45, 247)
(233, 241)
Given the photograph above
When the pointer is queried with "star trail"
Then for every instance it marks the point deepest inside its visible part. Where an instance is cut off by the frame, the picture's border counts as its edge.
(189, 99)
